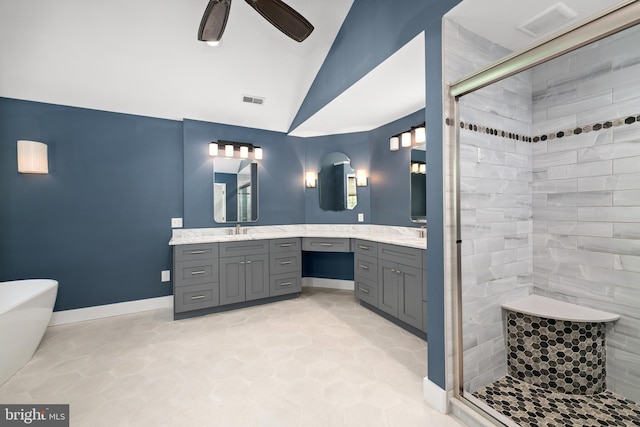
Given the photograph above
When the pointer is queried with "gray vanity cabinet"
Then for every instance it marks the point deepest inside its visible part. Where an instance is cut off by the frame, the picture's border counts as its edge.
(285, 265)
(401, 282)
(196, 284)
(365, 260)
(244, 276)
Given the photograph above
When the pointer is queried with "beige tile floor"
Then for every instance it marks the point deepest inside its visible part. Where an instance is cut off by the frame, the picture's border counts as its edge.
(318, 360)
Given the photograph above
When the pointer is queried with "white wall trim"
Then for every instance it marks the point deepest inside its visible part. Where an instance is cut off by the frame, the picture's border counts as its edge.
(434, 396)
(315, 282)
(109, 310)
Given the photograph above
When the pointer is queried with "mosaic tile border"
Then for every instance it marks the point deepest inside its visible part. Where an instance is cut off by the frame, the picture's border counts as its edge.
(548, 136)
(532, 406)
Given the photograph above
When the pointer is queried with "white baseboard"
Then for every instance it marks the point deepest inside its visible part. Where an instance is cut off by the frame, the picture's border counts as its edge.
(434, 396)
(109, 310)
(314, 282)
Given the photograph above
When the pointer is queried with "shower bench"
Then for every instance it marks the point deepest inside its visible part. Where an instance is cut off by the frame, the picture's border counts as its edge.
(557, 345)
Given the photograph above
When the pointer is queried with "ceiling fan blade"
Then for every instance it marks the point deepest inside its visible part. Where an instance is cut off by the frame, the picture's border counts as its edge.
(284, 18)
(214, 20)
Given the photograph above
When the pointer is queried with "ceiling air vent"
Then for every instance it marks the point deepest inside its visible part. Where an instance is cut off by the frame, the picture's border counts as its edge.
(252, 99)
(549, 20)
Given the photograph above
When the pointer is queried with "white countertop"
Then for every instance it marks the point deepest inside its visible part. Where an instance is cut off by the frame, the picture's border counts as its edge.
(403, 236)
(548, 308)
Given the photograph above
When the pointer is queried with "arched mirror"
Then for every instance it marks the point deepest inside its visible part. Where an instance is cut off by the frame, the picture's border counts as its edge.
(418, 193)
(235, 190)
(337, 183)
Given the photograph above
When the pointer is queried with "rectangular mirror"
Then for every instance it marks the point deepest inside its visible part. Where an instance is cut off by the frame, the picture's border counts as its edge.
(235, 190)
(418, 193)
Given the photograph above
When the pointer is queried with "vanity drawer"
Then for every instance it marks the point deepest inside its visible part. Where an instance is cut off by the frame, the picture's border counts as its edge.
(195, 272)
(243, 248)
(366, 247)
(196, 297)
(366, 291)
(285, 245)
(412, 257)
(195, 252)
(285, 262)
(365, 267)
(287, 283)
(326, 244)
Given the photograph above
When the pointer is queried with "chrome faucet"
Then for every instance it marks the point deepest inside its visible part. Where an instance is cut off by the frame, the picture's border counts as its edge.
(422, 233)
(238, 228)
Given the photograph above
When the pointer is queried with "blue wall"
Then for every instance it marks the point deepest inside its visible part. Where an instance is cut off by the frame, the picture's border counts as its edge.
(99, 222)
(391, 177)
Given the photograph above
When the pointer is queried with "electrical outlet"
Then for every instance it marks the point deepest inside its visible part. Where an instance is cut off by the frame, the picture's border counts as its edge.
(176, 222)
(360, 217)
(165, 276)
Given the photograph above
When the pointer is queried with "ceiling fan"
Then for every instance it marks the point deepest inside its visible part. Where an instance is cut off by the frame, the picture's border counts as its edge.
(279, 14)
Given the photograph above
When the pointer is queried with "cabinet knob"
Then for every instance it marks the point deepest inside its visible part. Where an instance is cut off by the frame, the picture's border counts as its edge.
(285, 284)
(196, 252)
(326, 244)
(364, 267)
(366, 248)
(364, 290)
(248, 262)
(195, 273)
(286, 262)
(285, 245)
(197, 297)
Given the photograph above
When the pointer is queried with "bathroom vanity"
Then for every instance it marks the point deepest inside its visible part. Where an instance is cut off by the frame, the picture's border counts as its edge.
(222, 269)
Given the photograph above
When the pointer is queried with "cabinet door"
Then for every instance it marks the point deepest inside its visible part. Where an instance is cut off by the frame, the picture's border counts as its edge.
(410, 286)
(232, 280)
(257, 276)
(388, 287)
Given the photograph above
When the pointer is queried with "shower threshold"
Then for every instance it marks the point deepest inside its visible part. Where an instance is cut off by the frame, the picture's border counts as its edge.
(533, 406)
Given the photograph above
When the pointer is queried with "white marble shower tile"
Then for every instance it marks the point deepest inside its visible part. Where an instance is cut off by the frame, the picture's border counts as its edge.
(611, 182)
(574, 228)
(592, 198)
(554, 186)
(627, 263)
(616, 150)
(603, 167)
(583, 140)
(557, 214)
(588, 103)
(616, 214)
(555, 124)
(555, 159)
(626, 198)
(548, 241)
(629, 230)
(620, 109)
(627, 165)
(616, 246)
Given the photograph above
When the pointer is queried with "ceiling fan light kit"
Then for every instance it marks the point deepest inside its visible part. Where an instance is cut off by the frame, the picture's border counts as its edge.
(279, 14)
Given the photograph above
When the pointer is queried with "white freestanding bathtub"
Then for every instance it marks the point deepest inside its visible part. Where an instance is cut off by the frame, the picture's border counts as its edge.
(25, 311)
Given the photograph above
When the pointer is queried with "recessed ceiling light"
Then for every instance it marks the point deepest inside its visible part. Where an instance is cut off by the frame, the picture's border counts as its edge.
(548, 20)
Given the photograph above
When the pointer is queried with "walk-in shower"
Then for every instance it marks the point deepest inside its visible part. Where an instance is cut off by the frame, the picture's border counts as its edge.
(545, 199)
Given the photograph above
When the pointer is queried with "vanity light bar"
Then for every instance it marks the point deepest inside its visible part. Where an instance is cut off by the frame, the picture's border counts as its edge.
(415, 136)
(230, 149)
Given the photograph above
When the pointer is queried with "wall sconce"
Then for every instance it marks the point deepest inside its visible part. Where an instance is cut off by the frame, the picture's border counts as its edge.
(394, 143)
(244, 152)
(417, 167)
(405, 139)
(415, 136)
(32, 157)
(361, 178)
(310, 180)
(419, 135)
(230, 149)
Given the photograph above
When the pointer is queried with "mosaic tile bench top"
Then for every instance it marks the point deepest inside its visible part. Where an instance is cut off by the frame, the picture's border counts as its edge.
(532, 406)
(563, 356)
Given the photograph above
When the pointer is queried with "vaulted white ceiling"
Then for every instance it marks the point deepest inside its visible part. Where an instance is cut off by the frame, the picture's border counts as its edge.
(142, 57)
